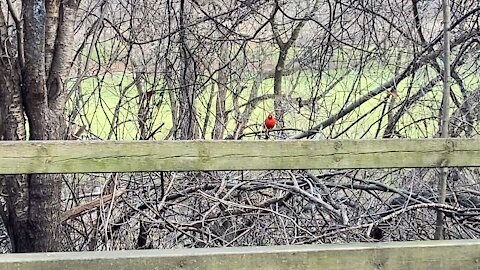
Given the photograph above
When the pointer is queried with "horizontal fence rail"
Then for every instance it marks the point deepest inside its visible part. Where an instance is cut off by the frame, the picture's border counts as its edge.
(438, 255)
(135, 156)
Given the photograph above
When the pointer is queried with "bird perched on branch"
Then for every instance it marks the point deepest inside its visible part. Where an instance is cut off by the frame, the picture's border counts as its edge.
(269, 123)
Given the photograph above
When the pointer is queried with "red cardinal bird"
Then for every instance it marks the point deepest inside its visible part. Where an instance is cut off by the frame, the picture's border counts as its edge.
(269, 123)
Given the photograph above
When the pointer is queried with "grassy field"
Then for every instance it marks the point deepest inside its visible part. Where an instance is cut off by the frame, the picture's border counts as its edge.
(102, 97)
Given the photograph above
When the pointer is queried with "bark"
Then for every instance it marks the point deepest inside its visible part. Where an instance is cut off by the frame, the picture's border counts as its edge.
(444, 119)
(144, 104)
(392, 98)
(51, 8)
(62, 58)
(15, 186)
(277, 87)
(220, 113)
(188, 127)
(32, 85)
(37, 230)
(12, 128)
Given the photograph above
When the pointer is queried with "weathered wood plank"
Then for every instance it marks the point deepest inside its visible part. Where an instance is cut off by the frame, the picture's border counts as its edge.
(132, 156)
(438, 255)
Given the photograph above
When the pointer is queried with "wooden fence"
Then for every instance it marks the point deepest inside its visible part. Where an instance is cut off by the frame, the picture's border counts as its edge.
(429, 255)
(122, 156)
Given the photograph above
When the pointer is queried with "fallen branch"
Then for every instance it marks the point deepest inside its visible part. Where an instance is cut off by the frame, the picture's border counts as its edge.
(84, 208)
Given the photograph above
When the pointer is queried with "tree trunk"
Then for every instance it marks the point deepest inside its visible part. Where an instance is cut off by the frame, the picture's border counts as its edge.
(220, 113)
(188, 127)
(32, 85)
(277, 87)
(444, 119)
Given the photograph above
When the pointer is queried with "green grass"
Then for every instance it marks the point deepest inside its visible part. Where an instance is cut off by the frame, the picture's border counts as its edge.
(103, 96)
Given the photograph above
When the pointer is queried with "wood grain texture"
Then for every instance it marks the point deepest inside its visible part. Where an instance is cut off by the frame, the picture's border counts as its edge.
(438, 255)
(134, 156)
